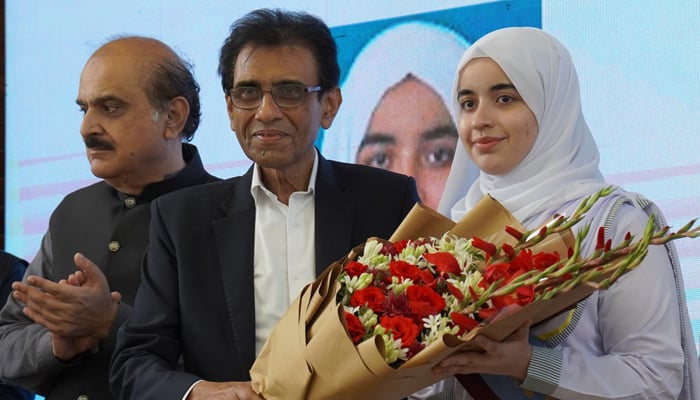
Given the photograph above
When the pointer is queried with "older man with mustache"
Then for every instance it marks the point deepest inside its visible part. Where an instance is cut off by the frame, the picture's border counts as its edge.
(140, 102)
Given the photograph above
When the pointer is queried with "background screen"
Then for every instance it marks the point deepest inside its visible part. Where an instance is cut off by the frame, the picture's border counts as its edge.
(637, 64)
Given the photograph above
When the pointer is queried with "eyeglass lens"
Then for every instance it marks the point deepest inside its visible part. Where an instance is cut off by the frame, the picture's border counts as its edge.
(288, 95)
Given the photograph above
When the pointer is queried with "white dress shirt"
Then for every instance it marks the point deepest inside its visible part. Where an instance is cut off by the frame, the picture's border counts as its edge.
(284, 257)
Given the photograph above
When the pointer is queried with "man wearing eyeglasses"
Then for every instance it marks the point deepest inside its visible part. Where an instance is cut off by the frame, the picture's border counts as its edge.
(227, 260)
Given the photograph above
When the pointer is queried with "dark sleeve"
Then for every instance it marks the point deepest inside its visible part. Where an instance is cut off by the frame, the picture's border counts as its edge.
(11, 270)
(38, 369)
(148, 343)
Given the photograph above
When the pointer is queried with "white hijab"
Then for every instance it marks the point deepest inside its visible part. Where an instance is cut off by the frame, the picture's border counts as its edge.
(563, 162)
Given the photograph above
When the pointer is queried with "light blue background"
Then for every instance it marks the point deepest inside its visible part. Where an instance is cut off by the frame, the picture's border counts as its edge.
(637, 63)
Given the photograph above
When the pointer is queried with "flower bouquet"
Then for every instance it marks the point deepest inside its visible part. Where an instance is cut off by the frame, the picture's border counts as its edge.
(374, 323)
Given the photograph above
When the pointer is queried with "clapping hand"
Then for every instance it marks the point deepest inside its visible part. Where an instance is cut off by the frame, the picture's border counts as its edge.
(78, 310)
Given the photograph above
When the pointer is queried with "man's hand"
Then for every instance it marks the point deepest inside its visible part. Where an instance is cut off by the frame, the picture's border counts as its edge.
(79, 306)
(66, 348)
(76, 279)
(206, 390)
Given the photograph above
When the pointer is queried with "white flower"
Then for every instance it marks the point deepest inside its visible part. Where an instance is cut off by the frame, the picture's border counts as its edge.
(371, 256)
(459, 247)
(357, 282)
(411, 253)
(437, 325)
(367, 317)
(467, 280)
(392, 348)
(398, 285)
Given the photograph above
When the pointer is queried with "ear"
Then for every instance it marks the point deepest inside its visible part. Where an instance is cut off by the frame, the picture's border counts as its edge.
(178, 111)
(229, 110)
(329, 106)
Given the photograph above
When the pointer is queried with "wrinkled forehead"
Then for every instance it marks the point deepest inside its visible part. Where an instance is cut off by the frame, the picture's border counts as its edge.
(134, 57)
(112, 74)
(114, 65)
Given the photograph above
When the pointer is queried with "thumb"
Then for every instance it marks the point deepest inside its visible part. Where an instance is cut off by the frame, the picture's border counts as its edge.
(116, 296)
(93, 274)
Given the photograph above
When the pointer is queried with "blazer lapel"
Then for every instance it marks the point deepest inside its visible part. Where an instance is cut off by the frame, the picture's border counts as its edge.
(235, 243)
(335, 209)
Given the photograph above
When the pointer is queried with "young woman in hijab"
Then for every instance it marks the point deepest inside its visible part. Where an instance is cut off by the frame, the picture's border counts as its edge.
(518, 111)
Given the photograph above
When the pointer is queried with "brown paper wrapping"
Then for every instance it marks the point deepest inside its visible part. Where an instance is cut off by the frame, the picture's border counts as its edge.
(309, 354)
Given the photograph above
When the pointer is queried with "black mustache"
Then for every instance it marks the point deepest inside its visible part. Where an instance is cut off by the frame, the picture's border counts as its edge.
(95, 142)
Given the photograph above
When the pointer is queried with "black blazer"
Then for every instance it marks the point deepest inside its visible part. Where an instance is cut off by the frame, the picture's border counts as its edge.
(196, 296)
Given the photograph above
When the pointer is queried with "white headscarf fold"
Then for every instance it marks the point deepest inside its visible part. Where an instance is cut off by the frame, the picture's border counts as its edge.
(426, 50)
(563, 163)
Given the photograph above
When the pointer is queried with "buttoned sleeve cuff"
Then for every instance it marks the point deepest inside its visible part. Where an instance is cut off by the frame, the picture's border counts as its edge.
(544, 370)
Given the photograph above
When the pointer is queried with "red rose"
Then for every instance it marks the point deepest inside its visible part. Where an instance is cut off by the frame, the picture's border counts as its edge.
(400, 245)
(355, 328)
(372, 297)
(402, 269)
(354, 268)
(427, 278)
(424, 301)
(402, 327)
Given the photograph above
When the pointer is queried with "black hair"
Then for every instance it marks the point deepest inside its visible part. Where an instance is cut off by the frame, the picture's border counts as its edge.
(275, 27)
(172, 77)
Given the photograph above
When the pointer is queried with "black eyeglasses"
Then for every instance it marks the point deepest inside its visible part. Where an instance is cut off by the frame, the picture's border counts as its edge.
(288, 95)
